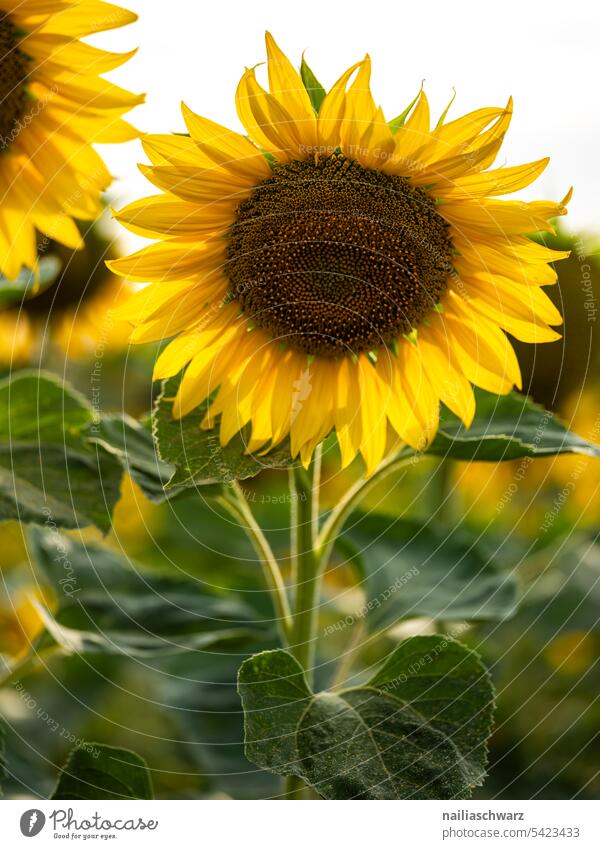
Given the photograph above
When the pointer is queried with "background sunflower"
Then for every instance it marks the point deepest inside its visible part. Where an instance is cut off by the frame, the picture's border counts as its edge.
(54, 106)
(73, 315)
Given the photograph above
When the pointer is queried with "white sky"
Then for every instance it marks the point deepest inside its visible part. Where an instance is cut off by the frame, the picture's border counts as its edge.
(546, 54)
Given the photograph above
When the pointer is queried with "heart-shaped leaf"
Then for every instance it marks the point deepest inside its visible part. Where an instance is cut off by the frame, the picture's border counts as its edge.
(417, 729)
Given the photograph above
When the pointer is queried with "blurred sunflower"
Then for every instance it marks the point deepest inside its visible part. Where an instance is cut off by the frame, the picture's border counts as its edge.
(334, 271)
(74, 314)
(54, 106)
(20, 621)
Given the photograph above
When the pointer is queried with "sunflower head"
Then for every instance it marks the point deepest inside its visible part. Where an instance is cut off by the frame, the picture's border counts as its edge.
(333, 270)
(54, 106)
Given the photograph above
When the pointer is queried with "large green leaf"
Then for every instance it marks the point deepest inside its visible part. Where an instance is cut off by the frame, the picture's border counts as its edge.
(49, 472)
(27, 285)
(197, 455)
(417, 729)
(507, 427)
(410, 569)
(109, 605)
(95, 771)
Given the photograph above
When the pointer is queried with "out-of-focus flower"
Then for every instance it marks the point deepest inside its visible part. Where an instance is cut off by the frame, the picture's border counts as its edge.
(135, 518)
(20, 622)
(75, 313)
(54, 106)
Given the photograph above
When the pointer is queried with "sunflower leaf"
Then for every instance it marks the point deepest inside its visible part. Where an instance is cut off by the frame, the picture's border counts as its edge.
(417, 729)
(95, 771)
(315, 90)
(49, 472)
(108, 605)
(131, 443)
(409, 570)
(507, 427)
(197, 455)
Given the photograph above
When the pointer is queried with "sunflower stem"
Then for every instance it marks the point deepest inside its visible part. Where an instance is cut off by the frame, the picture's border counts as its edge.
(316, 490)
(308, 573)
(237, 505)
(359, 490)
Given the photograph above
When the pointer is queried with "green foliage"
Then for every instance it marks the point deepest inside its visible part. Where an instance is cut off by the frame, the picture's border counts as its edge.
(131, 443)
(507, 427)
(315, 90)
(49, 471)
(108, 605)
(417, 729)
(410, 569)
(197, 454)
(95, 771)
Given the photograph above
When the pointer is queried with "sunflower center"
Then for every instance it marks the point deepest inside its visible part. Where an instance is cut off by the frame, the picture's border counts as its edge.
(334, 258)
(13, 76)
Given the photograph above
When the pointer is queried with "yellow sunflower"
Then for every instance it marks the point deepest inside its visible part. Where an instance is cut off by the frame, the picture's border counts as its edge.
(332, 270)
(54, 105)
(74, 314)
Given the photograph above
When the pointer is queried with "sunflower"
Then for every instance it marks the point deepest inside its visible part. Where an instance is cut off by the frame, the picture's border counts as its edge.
(333, 270)
(74, 314)
(54, 105)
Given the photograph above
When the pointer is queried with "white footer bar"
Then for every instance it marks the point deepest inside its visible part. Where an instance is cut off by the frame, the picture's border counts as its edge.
(298, 825)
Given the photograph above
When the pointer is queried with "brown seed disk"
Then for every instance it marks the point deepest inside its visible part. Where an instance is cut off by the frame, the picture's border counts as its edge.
(13, 77)
(336, 259)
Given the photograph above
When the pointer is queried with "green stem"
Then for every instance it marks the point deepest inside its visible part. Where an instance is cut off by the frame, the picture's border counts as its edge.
(337, 518)
(238, 507)
(303, 636)
(315, 491)
(293, 527)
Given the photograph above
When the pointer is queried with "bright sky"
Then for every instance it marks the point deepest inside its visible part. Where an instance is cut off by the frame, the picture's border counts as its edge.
(544, 54)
